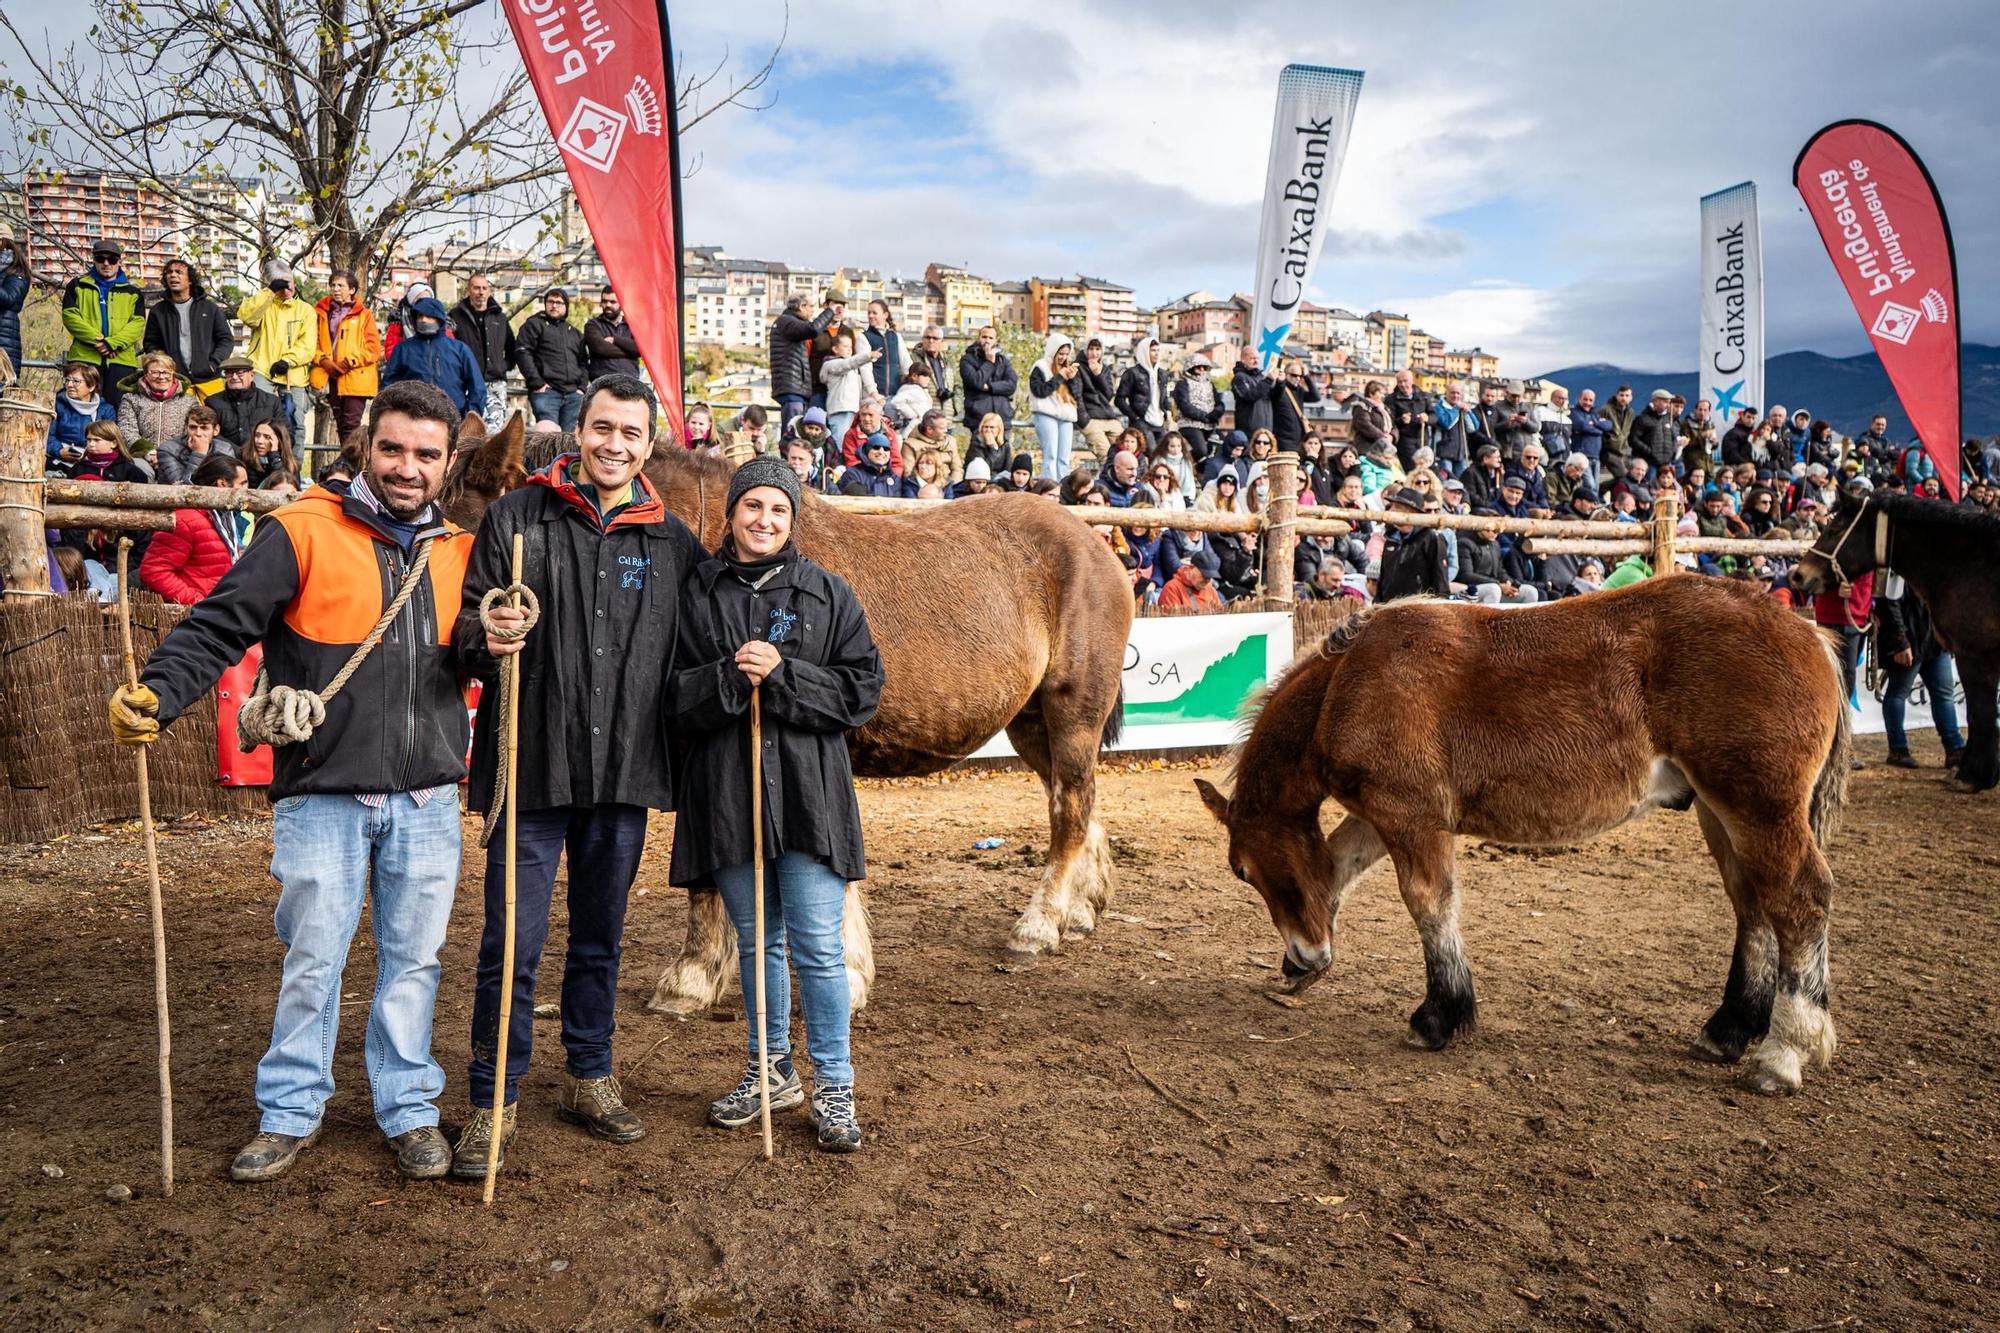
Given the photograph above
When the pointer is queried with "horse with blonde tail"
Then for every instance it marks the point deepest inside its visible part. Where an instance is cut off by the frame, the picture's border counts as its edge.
(1410, 719)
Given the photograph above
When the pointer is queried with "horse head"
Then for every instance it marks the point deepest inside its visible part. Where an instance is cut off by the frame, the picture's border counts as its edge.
(1845, 548)
(1286, 860)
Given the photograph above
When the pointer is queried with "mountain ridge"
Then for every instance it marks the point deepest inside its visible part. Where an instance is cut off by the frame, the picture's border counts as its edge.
(1846, 391)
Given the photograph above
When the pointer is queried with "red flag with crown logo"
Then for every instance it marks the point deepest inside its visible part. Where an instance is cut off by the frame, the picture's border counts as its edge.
(1884, 226)
(603, 71)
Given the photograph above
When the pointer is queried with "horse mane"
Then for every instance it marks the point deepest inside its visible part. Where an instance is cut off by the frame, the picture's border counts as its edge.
(1338, 640)
(1922, 512)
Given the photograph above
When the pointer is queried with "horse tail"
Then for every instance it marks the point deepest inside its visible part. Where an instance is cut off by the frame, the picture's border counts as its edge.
(1829, 792)
(1114, 725)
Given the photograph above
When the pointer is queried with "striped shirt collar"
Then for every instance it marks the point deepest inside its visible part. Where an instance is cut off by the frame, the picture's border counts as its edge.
(358, 490)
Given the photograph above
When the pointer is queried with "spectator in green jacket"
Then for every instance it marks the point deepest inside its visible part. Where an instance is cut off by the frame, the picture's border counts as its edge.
(105, 314)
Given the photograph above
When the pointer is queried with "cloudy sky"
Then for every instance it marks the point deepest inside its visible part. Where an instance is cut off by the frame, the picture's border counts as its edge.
(1525, 178)
(1526, 181)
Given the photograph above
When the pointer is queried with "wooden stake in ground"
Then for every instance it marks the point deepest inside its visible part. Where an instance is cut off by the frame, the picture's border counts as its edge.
(153, 887)
(757, 887)
(511, 670)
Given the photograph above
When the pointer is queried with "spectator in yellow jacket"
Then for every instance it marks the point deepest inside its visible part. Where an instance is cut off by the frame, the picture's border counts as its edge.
(283, 341)
(348, 355)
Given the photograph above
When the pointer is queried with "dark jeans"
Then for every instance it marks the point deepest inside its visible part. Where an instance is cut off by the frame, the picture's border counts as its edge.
(791, 406)
(1850, 656)
(347, 413)
(604, 843)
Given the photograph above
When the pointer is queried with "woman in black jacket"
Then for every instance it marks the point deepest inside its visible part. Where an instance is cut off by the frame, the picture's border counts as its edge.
(759, 615)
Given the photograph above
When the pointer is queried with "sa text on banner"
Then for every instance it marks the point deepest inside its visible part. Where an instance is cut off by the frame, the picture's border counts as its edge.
(1308, 143)
(603, 72)
(1732, 301)
(1879, 214)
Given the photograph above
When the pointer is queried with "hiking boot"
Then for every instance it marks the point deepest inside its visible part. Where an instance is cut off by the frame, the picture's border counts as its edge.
(423, 1153)
(740, 1107)
(1901, 759)
(468, 1159)
(1954, 756)
(269, 1156)
(598, 1105)
(832, 1114)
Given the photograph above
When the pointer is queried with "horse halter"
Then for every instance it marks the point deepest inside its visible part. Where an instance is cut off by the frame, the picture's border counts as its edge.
(1840, 579)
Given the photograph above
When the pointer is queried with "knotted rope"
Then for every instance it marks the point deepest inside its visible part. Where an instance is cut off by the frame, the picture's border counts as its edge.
(521, 597)
(286, 715)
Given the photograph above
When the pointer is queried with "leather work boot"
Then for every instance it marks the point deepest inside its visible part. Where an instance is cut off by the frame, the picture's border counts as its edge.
(468, 1159)
(1901, 759)
(1953, 758)
(423, 1153)
(269, 1156)
(599, 1106)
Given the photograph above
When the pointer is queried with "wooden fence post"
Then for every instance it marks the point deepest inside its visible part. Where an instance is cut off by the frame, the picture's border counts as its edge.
(24, 549)
(1665, 515)
(1281, 537)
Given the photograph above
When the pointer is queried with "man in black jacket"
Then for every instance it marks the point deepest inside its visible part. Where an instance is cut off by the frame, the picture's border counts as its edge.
(608, 340)
(480, 323)
(1415, 561)
(988, 379)
(1250, 391)
(1144, 391)
(1291, 391)
(605, 559)
(930, 355)
(790, 347)
(1096, 402)
(187, 326)
(1410, 416)
(366, 804)
(241, 404)
(553, 361)
(1656, 435)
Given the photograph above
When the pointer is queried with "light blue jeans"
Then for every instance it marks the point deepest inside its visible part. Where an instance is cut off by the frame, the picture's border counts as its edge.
(325, 848)
(803, 910)
(1938, 684)
(1055, 437)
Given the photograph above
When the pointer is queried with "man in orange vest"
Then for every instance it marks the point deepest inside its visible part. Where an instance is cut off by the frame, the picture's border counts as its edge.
(371, 793)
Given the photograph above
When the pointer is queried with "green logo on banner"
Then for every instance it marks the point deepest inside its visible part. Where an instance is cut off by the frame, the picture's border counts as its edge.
(1220, 692)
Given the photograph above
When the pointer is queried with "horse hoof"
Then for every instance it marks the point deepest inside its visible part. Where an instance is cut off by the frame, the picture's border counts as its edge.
(1019, 957)
(1775, 1074)
(681, 1007)
(1418, 1041)
(1706, 1049)
(1969, 788)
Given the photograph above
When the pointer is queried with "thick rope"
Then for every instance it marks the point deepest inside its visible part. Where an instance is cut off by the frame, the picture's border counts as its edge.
(287, 715)
(522, 597)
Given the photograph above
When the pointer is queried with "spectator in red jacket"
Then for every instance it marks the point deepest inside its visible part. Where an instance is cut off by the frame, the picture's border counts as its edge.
(184, 565)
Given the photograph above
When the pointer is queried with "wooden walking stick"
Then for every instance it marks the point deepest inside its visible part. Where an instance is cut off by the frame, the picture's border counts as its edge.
(510, 675)
(153, 888)
(757, 887)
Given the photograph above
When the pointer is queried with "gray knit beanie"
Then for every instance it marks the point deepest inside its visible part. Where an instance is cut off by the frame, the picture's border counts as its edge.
(763, 470)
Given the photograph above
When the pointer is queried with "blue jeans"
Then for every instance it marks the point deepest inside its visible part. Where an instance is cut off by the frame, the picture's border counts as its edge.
(562, 406)
(604, 843)
(1937, 677)
(803, 905)
(325, 849)
(297, 402)
(1055, 437)
(836, 431)
(791, 406)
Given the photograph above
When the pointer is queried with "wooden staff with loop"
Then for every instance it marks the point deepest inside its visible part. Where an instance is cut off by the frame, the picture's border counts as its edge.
(510, 671)
(757, 888)
(153, 888)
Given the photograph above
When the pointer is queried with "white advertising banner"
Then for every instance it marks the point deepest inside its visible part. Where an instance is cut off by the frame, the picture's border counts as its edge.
(1732, 303)
(1308, 144)
(1186, 678)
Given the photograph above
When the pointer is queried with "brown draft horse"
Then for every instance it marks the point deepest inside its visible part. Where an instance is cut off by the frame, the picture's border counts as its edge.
(992, 613)
(1951, 556)
(1548, 725)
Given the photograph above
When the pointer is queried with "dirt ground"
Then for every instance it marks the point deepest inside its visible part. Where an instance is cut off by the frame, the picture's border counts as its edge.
(1131, 1135)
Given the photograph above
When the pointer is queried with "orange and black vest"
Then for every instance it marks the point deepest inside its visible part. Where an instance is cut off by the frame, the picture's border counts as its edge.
(310, 586)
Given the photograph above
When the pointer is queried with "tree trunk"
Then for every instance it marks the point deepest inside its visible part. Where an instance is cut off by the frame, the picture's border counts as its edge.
(24, 549)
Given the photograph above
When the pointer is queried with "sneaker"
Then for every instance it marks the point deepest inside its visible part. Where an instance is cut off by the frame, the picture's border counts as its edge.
(269, 1156)
(1901, 759)
(468, 1159)
(423, 1153)
(740, 1107)
(833, 1115)
(598, 1105)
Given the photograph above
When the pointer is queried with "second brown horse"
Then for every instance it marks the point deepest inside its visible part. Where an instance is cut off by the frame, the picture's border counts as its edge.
(1427, 720)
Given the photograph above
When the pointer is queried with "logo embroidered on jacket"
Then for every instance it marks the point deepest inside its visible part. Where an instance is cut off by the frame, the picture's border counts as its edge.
(635, 571)
(781, 624)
